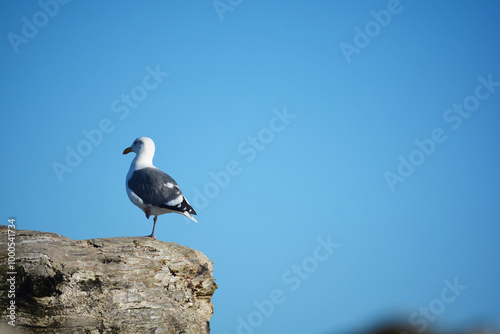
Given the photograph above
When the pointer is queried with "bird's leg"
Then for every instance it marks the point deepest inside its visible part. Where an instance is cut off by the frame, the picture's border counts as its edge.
(147, 211)
(152, 235)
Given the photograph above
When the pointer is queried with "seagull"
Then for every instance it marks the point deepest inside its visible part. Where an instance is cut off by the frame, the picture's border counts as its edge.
(152, 190)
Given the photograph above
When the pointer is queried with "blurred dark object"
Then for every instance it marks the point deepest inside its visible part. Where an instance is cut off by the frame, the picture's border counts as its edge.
(398, 327)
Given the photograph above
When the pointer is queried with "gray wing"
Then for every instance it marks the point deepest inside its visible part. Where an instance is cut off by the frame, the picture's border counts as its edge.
(157, 188)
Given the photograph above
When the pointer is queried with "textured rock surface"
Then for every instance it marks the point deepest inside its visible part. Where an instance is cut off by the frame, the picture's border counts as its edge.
(115, 285)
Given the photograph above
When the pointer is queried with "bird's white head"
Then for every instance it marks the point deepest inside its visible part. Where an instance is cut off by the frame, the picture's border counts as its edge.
(141, 145)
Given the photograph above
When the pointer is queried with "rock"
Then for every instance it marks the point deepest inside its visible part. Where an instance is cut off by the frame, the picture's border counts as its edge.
(113, 285)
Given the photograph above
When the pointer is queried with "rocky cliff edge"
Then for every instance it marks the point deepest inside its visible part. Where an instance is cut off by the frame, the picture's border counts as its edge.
(113, 285)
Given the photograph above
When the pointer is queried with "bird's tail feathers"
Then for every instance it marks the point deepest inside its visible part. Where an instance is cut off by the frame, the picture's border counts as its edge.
(187, 214)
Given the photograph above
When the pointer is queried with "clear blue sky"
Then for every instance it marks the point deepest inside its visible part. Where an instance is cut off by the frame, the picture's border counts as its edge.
(369, 126)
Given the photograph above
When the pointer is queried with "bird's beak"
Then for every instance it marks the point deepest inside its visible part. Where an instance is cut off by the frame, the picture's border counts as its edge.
(127, 150)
